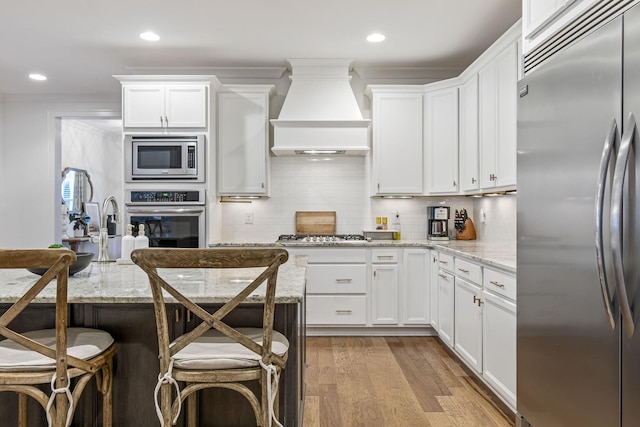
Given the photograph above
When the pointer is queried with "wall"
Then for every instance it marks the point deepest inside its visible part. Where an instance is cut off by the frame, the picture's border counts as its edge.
(340, 185)
(99, 153)
(31, 164)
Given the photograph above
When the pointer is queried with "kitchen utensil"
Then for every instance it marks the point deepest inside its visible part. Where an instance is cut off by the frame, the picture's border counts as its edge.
(316, 222)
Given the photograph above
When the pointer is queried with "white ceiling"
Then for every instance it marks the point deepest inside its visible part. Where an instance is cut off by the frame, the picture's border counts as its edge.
(80, 44)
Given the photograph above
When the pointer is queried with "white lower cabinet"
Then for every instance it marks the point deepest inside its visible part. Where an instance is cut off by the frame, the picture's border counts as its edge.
(446, 307)
(468, 323)
(336, 286)
(415, 287)
(499, 352)
(384, 287)
(433, 289)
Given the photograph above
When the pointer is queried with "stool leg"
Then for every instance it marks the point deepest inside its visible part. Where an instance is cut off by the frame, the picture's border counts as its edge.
(23, 410)
(192, 410)
(107, 395)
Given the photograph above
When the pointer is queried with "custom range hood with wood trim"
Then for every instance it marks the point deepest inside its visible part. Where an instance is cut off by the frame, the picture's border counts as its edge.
(320, 114)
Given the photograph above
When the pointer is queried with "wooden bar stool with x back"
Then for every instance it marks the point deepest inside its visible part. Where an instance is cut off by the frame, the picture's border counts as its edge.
(66, 358)
(215, 354)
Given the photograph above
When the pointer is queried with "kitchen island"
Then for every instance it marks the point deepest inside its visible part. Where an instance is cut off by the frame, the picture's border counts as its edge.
(117, 298)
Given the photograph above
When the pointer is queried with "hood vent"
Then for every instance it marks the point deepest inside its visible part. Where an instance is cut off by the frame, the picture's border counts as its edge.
(320, 114)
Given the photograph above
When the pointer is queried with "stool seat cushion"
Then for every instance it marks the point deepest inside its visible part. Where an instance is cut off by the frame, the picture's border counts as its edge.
(82, 343)
(214, 350)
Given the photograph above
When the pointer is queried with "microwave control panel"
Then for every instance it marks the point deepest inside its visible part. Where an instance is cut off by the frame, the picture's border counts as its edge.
(191, 197)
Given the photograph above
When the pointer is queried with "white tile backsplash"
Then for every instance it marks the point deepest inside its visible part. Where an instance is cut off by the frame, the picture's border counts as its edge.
(340, 184)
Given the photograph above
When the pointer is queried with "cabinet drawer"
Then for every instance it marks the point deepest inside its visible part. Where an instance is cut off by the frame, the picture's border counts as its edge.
(384, 256)
(337, 279)
(333, 255)
(336, 310)
(445, 261)
(500, 283)
(470, 271)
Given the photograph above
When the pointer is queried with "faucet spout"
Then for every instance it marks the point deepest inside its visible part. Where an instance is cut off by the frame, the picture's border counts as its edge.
(103, 241)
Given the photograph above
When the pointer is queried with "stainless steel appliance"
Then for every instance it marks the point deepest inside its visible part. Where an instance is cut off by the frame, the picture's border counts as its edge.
(177, 157)
(438, 222)
(578, 351)
(172, 219)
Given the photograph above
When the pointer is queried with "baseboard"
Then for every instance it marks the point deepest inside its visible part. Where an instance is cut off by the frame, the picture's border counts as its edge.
(339, 331)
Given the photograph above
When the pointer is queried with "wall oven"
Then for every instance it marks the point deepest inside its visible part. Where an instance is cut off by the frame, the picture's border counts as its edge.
(172, 219)
(164, 157)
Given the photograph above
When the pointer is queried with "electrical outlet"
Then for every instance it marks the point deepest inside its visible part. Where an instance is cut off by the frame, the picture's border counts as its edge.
(248, 218)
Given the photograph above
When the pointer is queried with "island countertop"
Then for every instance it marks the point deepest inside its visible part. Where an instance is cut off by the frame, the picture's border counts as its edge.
(118, 283)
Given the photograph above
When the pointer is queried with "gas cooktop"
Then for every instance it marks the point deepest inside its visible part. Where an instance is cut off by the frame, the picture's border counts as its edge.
(333, 238)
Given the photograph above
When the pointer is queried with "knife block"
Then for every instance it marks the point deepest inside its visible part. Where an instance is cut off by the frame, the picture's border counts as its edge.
(468, 233)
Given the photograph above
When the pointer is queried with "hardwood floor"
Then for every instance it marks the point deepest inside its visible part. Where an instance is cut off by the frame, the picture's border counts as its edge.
(393, 381)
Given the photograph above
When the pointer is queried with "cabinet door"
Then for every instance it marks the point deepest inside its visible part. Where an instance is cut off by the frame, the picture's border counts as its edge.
(384, 294)
(469, 163)
(143, 106)
(415, 279)
(499, 354)
(487, 93)
(243, 143)
(397, 143)
(433, 289)
(537, 13)
(441, 140)
(468, 323)
(446, 307)
(507, 80)
(186, 106)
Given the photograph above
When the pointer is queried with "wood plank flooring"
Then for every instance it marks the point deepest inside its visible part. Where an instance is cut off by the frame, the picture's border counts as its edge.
(393, 381)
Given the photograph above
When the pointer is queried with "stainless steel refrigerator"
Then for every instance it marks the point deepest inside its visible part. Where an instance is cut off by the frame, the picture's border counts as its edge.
(579, 233)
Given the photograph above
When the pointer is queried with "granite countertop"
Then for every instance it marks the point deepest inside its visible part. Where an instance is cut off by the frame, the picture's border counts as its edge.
(494, 254)
(115, 283)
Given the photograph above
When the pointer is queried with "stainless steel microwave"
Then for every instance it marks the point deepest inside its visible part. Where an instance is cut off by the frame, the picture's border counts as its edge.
(165, 157)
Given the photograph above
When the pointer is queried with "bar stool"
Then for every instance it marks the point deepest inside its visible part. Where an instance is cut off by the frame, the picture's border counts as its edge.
(66, 358)
(215, 354)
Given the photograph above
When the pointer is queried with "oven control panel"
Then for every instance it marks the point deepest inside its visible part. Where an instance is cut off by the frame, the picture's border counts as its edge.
(146, 197)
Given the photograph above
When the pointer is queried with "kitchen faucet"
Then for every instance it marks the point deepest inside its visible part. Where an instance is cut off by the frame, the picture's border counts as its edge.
(103, 254)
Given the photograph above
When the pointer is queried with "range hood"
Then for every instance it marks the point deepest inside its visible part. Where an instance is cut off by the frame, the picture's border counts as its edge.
(320, 114)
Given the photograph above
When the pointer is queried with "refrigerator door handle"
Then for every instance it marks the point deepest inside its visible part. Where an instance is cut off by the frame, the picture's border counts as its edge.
(607, 152)
(616, 222)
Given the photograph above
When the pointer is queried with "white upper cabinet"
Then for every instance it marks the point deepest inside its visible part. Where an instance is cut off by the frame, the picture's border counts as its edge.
(537, 13)
(441, 140)
(163, 106)
(243, 139)
(397, 139)
(497, 84)
(469, 162)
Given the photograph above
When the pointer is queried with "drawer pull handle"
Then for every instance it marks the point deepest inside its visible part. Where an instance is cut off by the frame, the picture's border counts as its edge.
(344, 311)
(344, 280)
(493, 282)
(463, 270)
(444, 276)
(443, 262)
(385, 256)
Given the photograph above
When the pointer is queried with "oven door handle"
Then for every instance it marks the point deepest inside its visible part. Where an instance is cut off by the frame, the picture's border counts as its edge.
(147, 211)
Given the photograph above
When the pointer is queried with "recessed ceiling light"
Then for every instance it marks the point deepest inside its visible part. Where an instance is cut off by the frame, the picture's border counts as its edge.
(149, 36)
(375, 38)
(36, 76)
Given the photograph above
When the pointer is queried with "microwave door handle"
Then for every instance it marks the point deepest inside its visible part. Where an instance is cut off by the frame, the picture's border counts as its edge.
(607, 152)
(622, 162)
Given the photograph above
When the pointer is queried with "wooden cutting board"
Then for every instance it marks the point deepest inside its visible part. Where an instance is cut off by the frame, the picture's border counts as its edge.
(315, 222)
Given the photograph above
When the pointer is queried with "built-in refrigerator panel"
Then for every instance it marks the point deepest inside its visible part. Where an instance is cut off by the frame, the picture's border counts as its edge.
(568, 355)
(631, 224)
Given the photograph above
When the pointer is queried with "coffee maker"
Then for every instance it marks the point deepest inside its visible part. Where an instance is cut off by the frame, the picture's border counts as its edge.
(438, 222)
